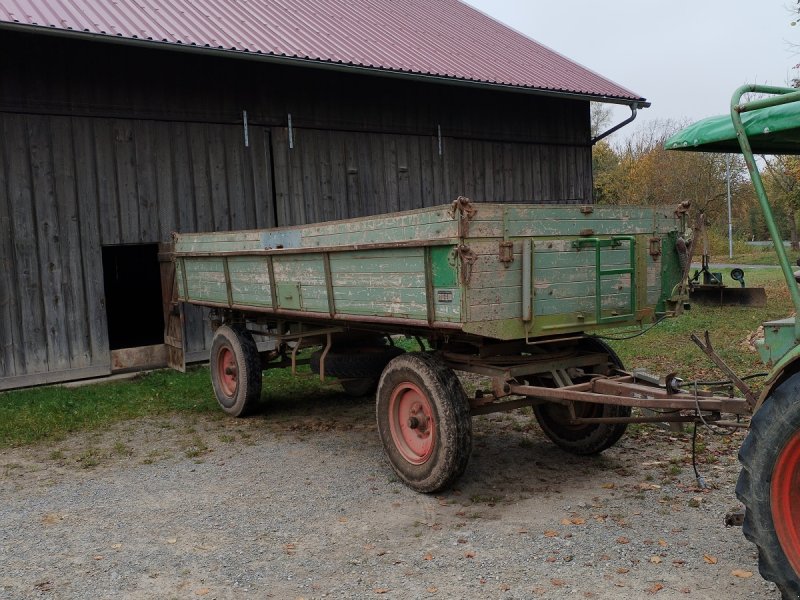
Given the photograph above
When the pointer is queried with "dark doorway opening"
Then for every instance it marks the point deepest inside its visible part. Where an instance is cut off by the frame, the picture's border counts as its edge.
(132, 279)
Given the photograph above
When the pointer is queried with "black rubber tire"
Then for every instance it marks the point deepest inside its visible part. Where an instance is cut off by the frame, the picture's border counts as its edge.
(365, 362)
(584, 440)
(452, 443)
(358, 388)
(241, 400)
(773, 426)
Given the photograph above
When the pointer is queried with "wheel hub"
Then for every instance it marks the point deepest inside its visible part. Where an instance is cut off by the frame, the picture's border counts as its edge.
(227, 372)
(785, 501)
(412, 424)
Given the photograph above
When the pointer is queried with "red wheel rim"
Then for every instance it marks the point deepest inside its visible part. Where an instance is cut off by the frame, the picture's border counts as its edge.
(785, 501)
(227, 373)
(412, 423)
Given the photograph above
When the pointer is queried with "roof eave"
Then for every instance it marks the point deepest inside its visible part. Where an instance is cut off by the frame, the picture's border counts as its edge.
(317, 64)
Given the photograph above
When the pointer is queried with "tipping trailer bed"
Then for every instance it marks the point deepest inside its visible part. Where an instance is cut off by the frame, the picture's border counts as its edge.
(497, 271)
(506, 292)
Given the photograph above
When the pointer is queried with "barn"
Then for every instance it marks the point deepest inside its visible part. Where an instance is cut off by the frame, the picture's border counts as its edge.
(123, 122)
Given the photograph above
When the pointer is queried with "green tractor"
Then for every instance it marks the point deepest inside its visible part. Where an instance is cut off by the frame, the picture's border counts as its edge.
(769, 483)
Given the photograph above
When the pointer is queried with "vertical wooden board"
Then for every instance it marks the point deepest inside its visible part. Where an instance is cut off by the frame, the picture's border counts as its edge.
(240, 203)
(310, 191)
(47, 228)
(145, 177)
(183, 195)
(353, 197)
(11, 361)
(297, 206)
(390, 174)
(31, 349)
(439, 171)
(201, 181)
(69, 245)
(339, 187)
(548, 166)
(279, 146)
(471, 184)
(166, 179)
(405, 171)
(261, 169)
(325, 200)
(89, 201)
(196, 328)
(125, 155)
(106, 174)
(365, 175)
(218, 178)
(509, 189)
(377, 195)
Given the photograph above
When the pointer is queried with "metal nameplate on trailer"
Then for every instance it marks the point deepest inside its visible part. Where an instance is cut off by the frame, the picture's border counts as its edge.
(280, 239)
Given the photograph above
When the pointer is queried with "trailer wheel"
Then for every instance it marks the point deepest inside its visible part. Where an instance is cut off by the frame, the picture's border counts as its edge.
(769, 486)
(358, 388)
(424, 421)
(583, 440)
(235, 370)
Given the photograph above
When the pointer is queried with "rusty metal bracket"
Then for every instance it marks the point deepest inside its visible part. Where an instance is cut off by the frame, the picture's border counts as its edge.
(468, 258)
(717, 360)
(506, 252)
(655, 247)
(466, 211)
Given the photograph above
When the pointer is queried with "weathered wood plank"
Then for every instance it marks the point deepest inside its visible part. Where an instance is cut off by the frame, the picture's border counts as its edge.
(75, 323)
(11, 359)
(47, 234)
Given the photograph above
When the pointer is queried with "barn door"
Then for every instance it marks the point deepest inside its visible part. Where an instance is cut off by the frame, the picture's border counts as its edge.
(173, 310)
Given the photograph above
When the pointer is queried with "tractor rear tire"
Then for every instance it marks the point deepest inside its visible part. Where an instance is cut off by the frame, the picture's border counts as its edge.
(769, 486)
(424, 421)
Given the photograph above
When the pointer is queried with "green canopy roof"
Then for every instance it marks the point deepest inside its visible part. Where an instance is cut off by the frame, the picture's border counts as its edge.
(774, 130)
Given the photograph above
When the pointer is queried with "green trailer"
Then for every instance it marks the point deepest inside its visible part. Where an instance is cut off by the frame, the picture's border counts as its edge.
(510, 292)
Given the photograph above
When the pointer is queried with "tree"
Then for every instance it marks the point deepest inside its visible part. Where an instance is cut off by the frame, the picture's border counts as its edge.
(782, 183)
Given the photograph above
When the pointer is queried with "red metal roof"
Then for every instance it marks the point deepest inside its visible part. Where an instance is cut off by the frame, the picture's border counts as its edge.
(443, 38)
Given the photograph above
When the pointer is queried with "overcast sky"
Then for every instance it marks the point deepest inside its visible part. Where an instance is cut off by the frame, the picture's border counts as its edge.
(684, 56)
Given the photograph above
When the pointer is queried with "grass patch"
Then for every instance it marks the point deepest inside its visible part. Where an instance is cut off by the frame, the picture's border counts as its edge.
(51, 413)
(667, 347)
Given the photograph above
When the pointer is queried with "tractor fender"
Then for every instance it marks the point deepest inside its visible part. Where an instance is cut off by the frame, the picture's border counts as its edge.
(788, 365)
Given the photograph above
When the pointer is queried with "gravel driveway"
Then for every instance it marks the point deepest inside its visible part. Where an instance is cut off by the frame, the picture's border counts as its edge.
(298, 502)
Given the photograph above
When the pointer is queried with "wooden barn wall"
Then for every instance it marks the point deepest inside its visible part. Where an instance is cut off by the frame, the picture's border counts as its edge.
(106, 144)
(70, 185)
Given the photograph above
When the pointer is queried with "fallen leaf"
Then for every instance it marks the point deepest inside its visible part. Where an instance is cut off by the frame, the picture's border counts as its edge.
(623, 540)
(369, 546)
(608, 486)
(558, 582)
(623, 570)
(172, 540)
(504, 587)
(432, 589)
(577, 521)
(342, 519)
(202, 592)
(656, 587)
(550, 533)
(662, 543)
(116, 546)
(98, 557)
(565, 522)
(428, 556)
(522, 531)
(482, 580)
(469, 554)
(290, 549)
(741, 573)
(461, 541)
(712, 560)
(655, 559)
(381, 590)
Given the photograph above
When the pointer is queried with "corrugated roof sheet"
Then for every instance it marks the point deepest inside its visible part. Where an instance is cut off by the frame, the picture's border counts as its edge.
(444, 38)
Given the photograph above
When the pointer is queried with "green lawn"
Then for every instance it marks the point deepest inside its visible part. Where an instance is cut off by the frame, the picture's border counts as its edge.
(51, 413)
